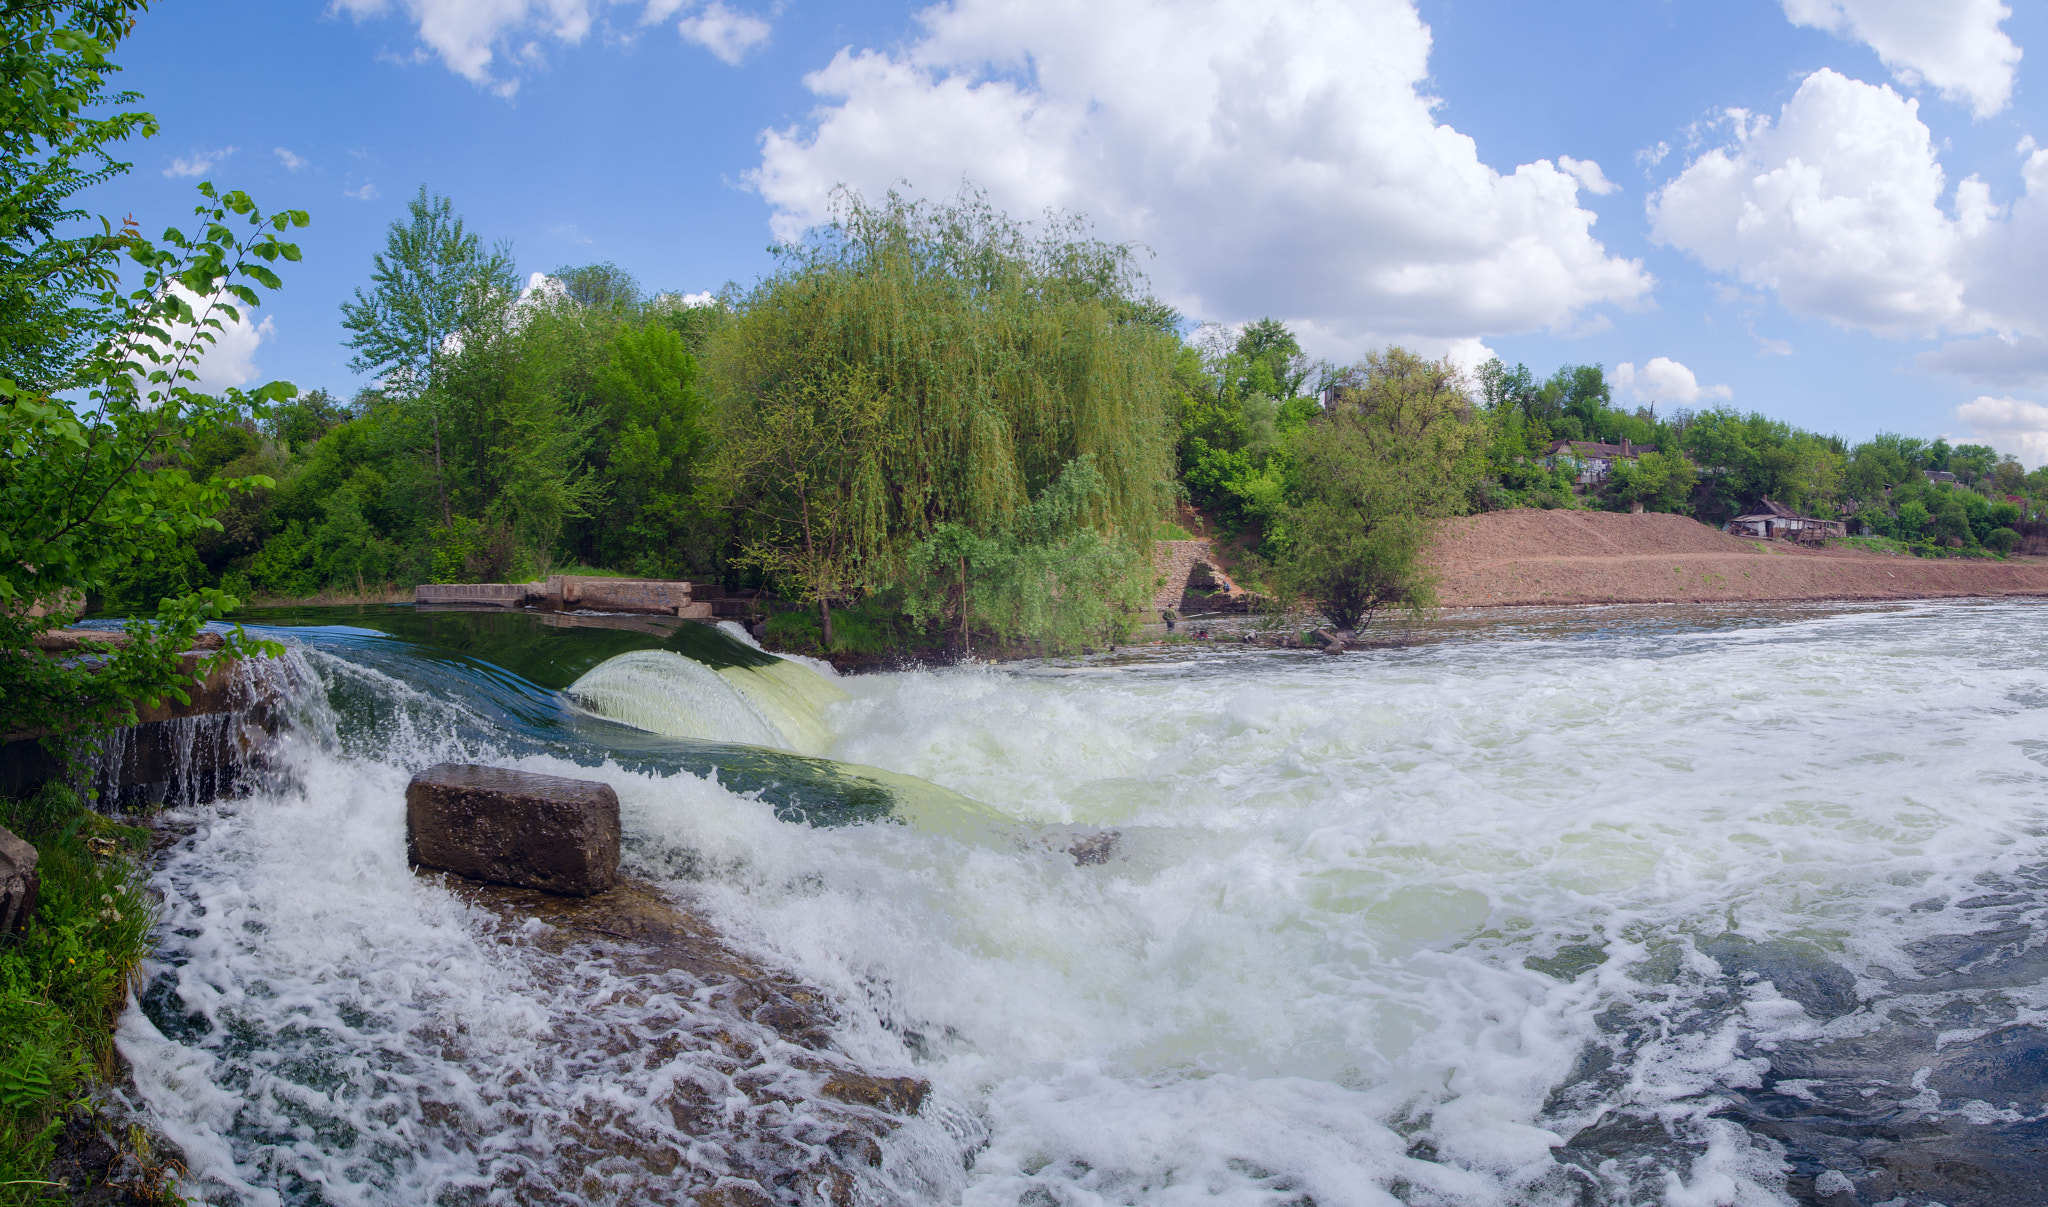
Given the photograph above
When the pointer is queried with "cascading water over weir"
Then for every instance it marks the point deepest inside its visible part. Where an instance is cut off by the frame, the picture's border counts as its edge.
(1616, 906)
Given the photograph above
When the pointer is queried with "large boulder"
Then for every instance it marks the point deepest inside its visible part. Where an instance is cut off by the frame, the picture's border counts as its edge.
(514, 827)
(19, 884)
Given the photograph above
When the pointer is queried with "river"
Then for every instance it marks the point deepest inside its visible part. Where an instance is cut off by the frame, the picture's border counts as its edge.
(1623, 905)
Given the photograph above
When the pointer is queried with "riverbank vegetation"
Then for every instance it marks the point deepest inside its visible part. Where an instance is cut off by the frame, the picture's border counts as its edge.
(64, 981)
(101, 430)
(963, 430)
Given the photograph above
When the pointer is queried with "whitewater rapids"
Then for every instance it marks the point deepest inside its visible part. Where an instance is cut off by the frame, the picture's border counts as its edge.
(1394, 927)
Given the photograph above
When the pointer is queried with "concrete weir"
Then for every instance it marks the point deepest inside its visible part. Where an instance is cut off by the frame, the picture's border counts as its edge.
(573, 592)
(174, 753)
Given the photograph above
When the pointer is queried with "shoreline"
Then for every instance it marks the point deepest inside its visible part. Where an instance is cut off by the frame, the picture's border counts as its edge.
(1561, 559)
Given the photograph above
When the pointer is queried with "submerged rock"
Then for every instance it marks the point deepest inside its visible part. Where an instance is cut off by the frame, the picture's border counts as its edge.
(1087, 845)
(514, 827)
(721, 1083)
(1800, 972)
(19, 884)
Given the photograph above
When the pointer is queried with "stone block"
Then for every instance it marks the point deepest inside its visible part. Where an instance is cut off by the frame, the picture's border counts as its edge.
(574, 591)
(495, 595)
(19, 884)
(514, 827)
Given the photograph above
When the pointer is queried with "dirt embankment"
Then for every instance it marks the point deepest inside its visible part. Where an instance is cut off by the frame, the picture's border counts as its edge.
(1586, 557)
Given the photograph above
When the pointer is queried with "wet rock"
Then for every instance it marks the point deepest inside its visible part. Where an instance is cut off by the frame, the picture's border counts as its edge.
(1800, 972)
(1099, 847)
(19, 884)
(514, 827)
(901, 1095)
(774, 1115)
(1570, 960)
(1087, 845)
(75, 641)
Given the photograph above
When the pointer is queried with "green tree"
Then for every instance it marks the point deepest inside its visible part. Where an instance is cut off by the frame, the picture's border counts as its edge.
(89, 491)
(1659, 481)
(1883, 462)
(807, 462)
(433, 280)
(1912, 520)
(59, 124)
(1970, 462)
(604, 287)
(1399, 450)
(997, 356)
(656, 416)
(1045, 575)
(2009, 476)
(517, 401)
(299, 423)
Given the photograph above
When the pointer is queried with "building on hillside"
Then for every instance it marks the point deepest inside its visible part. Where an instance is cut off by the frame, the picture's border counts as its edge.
(1596, 460)
(1938, 475)
(1775, 521)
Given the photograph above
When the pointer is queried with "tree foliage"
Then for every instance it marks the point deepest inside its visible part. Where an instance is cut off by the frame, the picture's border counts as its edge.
(1397, 452)
(91, 486)
(808, 465)
(433, 282)
(995, 360)
(57, 138)
(1044, 576)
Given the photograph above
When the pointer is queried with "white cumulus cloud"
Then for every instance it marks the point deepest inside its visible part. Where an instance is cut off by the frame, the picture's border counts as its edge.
(1954, 46)
(291, 162)
(2005, 359)
(1589, 175)
(727, 34)
(199, 163)
(1279, 160)
(473, 38)
(1662, 379)
(231, 359)
(1840, 206)
(1837, 206)
(467, 35)
(2010, 425)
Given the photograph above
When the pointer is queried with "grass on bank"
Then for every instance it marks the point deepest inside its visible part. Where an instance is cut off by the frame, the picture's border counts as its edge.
(64, 983)
(1897, 548)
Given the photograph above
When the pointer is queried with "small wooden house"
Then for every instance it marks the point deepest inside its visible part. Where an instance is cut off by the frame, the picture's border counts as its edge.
(1596, 460)
(1775, 521)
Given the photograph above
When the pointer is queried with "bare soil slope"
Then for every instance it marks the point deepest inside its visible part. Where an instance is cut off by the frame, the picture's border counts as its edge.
(1575, 557)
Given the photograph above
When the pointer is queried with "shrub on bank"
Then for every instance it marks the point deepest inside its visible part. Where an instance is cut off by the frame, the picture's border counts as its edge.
(871, 628)
(63, 983)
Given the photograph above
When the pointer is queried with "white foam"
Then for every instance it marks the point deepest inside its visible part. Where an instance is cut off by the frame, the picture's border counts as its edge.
(1304, 976)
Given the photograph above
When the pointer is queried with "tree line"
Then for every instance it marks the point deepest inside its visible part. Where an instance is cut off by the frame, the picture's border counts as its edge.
(954, 425)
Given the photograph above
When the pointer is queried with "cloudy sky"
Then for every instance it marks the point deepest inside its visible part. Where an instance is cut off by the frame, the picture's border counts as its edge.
(1833, 211)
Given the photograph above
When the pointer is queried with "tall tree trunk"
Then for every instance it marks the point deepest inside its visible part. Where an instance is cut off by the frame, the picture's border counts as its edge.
(441, 482)
(825, 618)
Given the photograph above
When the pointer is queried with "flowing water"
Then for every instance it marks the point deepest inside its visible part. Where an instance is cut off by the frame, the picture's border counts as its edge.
(1615, 906)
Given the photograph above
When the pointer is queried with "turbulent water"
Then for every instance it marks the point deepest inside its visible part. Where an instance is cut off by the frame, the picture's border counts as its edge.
(1617, 906)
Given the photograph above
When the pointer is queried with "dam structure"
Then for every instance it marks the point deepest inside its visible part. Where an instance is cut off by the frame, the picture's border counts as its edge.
(573, 592)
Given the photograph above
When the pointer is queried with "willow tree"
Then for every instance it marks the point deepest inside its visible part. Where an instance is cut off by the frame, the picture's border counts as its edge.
(997, 357)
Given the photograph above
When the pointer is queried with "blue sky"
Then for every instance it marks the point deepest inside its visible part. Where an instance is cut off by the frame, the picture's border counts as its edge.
(1831, 211)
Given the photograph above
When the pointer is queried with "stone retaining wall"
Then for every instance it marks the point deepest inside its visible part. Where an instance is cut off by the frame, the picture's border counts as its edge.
(504, 595)
(573, 592)
(1174, 561)
(622, 595)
